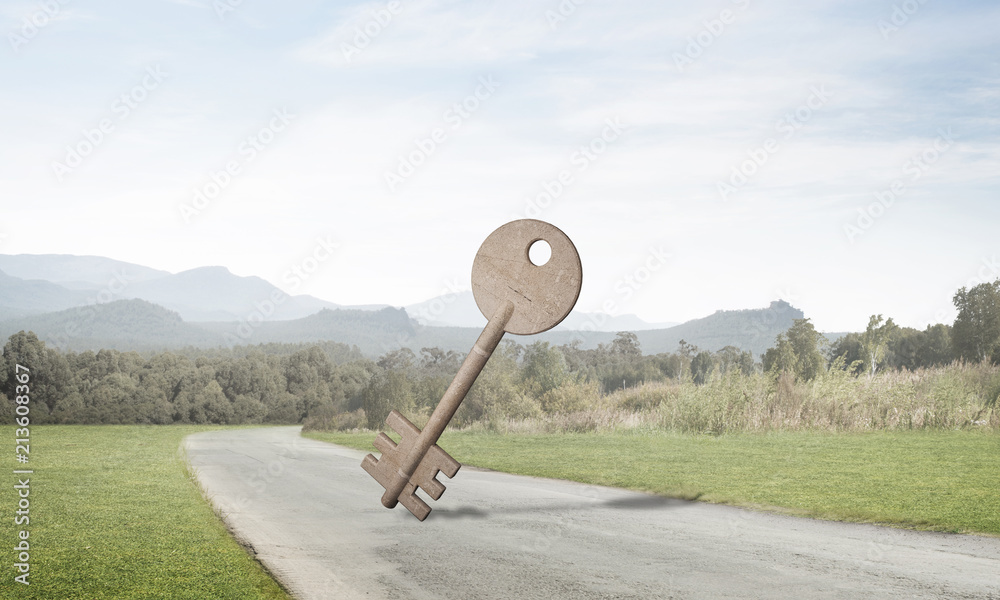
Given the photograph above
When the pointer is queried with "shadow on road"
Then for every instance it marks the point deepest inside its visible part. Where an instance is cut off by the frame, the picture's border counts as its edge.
(639, 502)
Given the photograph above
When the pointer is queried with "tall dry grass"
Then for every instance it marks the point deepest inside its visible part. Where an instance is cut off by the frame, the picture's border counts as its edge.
(959, 396)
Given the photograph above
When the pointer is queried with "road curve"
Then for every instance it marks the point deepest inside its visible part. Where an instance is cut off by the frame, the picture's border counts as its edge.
(313, 517)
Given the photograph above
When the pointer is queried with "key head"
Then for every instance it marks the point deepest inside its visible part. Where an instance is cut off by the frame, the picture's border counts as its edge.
(542, 294)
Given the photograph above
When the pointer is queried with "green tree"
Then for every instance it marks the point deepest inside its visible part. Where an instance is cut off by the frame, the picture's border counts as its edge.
(936, 349)
(214, 404)
(307, 373)
(976, 333)
(780, 358)
(498, 395)
(848, 348)
(435, 361)
(808, 346)
(875, 341)
(669, 364)
(797, 351)
(112, 401)
(626, 345)
(731, 358)
(51, 379)
(401, 359)
(544, 368)
(193, 392)
(387, 390)
(903, 349)
(621, 363)
(250, 383)
(701, 367)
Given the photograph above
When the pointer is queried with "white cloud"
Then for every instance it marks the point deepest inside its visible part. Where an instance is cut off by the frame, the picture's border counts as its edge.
(656, 185)
(427, 33)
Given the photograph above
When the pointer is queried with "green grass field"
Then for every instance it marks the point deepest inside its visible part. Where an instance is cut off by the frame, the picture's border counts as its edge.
(114, 514)
(943, 481)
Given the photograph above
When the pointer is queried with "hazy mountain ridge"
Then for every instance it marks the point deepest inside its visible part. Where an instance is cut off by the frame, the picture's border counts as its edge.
(128, 306)
(747, 329)
(75, 271)
(216, 294)
(459, 309)
(374, 332)
(28, 296)
(120, 325)
(40, 283)
(37, 283)
(140, 325)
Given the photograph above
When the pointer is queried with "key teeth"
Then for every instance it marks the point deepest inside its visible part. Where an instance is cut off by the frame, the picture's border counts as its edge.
(401, 424)
(446, 464)
(424, 477)
(384, 443)
(435, 461)
(414, 503)
(370, 464)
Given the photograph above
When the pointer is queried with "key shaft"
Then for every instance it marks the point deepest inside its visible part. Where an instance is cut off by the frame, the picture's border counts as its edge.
(517, 295)
(473, 364)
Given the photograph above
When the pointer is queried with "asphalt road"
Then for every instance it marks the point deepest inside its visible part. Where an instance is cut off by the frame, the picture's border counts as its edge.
(313, 517)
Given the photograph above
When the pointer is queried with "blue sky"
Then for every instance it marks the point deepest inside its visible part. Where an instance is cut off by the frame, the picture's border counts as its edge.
(840, 155)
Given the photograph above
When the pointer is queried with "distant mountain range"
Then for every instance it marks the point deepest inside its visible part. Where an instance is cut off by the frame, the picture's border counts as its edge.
(39, 283)
(36, 283)
(460, 310)
(91, 302)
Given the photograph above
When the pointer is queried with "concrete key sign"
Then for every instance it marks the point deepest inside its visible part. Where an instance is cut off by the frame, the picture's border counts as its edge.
(517, 296)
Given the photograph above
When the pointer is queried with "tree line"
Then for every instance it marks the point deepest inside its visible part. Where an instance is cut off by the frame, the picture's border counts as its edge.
(333, 385)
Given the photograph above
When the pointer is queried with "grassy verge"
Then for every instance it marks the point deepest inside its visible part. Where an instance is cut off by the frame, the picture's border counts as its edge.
(114, 514)
(937, 480)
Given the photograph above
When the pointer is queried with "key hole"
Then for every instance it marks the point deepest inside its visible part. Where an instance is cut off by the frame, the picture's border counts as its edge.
(539, 252)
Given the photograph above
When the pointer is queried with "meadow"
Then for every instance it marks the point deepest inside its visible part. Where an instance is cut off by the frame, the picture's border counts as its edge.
(114, 513)
(933, 480)
(909, 448)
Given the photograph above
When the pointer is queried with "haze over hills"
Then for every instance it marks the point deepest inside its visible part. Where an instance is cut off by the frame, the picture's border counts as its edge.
(113, 304)
(119, 325)
(459, 309)
(26, 296)
(75, 272)
(39, 283)
(215, 294)
(139, 325)
(749, 329)
(36, 283)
